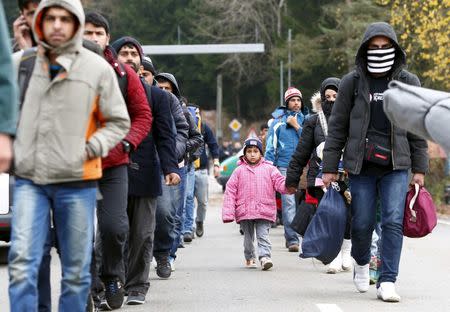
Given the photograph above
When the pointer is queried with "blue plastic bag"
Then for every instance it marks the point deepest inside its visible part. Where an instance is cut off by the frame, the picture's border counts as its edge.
(325, 234)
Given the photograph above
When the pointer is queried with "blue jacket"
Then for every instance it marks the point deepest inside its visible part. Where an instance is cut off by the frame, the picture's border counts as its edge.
(282, 139)
(155, 155)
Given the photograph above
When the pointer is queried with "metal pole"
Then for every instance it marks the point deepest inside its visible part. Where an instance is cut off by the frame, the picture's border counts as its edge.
(219, 108)
(289, 56)
(179, 34)
(281, 84)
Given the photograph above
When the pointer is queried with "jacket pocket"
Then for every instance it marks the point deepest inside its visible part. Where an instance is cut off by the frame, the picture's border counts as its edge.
(240, 209)
(267, 208)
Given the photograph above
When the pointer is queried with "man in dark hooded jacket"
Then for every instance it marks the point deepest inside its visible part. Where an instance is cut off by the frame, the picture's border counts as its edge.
(377, 154)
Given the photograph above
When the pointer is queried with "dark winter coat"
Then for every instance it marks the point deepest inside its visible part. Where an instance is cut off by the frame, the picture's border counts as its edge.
(154, 156)
(138, 109)
(350, 117)
(210, 140)
(195, 140)
(312, 136)
(181, 126)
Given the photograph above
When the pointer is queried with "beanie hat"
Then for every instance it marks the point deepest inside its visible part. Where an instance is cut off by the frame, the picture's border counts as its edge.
(148, 65)
(290, 93)
(253, 142)
(119, 43)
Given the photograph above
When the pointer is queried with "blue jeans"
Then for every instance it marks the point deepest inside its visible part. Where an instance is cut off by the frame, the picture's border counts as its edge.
(73, 215)
(189, 200)
(391, 189)
(288, 212)
(179, 217)
(166, 209)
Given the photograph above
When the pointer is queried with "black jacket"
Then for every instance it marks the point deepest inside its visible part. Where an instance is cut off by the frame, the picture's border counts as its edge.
(312, 136)
(154, 156)
(350, 117)
(181, 126)
(195, 138)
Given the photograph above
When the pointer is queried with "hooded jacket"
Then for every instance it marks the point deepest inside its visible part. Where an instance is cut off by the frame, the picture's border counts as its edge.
(138, 109)
(312, 136)
(250, 192)
(424, 112)
(80, 109)
(350, 117)
(282, 139)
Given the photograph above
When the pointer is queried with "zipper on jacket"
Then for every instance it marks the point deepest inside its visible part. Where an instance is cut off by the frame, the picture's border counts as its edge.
(392, 146)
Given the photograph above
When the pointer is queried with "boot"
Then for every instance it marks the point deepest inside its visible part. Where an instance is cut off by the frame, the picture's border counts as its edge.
(346, 257)
(336, 265)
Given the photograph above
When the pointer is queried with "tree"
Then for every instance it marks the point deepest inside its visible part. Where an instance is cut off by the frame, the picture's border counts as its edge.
(424, 29)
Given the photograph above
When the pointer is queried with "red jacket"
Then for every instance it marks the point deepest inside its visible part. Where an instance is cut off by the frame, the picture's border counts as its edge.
(138, 109)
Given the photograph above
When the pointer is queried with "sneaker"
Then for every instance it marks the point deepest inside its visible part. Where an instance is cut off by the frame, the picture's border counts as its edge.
(361, 277)
(172, 264)
(293, 248)
(187, 238)
(199, 229)
(336, 265)
(163, 269)
(101, 301)
(387, 293)
(346, 256)
(266, 263)
(90, 306)
(374, 269)
(251, 264)
(114, 294)
(153, 263)
(135, 298)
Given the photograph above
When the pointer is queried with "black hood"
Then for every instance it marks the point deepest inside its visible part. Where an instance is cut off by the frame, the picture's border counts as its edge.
(380, 29)
(329, 82)
(172, 80)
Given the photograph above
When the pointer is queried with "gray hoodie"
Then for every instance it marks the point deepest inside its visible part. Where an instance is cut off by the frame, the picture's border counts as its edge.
(422, 111)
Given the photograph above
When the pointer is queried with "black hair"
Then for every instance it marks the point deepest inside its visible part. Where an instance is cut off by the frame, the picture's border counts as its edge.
(184, 100)
(97, 20)
(23, 4)
(264, 126)
(164, 79)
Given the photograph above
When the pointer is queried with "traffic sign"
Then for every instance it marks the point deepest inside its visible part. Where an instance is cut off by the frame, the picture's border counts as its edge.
(235, 125)
(235, 136)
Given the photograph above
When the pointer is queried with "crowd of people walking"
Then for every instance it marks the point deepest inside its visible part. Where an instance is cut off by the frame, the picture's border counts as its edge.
(98, 129)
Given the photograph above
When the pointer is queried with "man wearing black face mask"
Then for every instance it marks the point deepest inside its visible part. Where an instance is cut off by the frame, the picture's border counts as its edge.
(378, 156)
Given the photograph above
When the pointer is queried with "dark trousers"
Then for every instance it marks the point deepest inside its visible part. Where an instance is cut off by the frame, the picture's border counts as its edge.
(141, 214)
(113, 222)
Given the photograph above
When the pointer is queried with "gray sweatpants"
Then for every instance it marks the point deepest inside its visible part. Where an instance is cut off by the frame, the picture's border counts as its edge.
(261, 227)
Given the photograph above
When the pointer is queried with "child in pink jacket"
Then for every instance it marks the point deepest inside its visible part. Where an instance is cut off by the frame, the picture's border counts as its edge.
(250, 200)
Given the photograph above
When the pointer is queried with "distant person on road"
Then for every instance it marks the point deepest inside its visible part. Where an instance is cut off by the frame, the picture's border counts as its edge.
(378, 155)
(23, 36)
(250, 201)
(284, 132)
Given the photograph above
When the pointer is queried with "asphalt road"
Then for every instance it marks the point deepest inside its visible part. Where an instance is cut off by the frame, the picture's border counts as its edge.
(210, 276)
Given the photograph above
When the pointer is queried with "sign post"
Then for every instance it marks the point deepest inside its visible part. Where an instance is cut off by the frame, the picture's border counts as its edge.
(235, 126)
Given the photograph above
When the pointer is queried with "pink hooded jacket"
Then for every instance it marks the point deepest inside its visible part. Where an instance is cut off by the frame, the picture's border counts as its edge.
(250, 192)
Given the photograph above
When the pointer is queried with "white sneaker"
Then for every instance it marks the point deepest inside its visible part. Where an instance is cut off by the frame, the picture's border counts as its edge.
(251, 264)
(346, 257)
(153, 263)
(266, 263)
(172, 264)
(387, 293)
(361, 277)
(336, 265)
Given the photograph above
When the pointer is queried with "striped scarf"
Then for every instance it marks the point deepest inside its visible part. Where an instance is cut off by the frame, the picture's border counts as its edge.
(380, 60)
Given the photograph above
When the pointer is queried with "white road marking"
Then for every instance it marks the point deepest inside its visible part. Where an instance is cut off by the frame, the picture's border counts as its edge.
(326, 307)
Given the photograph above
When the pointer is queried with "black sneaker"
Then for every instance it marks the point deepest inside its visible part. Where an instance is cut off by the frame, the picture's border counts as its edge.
(163, 268)
(187, 238)
(90, 306)
(135, 298)
(199, 229)
(114, 294)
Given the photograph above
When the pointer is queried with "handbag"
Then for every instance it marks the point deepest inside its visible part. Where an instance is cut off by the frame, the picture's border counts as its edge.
(420, 213)
(303, 217)
(378, 148)
(325, 234)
